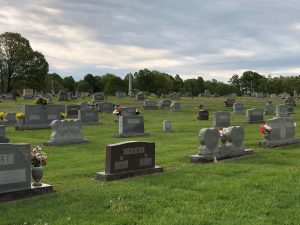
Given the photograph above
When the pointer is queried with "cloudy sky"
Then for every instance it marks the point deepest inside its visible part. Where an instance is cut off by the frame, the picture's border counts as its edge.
(209, 38)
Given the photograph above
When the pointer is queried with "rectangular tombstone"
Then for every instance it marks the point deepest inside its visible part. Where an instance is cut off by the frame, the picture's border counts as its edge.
(273, 95)
(203, 115)
(269, 108)
(148, 105)
(106, 107)
(83, 105)
(255, 116)
(175, 107)
(127, 159)
(131, 126)
(128, 111)
(282, 110)
(221, 119)
(15, 170)
(259, 95)
(72, 111)
(238, 108)
(11, 118)
(88, 116)
(98, 96)
(3, 138)
(28, 93)
(165, 104)
(10, 96)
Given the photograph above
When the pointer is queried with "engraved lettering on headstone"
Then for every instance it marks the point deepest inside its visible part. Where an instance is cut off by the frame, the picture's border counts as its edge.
(34, 117)
(12, 176)
(119, 165)
(133, 121)
(145, 161)
(6, 159)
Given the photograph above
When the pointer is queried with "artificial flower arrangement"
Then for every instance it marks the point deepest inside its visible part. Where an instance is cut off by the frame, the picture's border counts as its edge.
(40, 101)
(38, 157)
(223, 134)
(2, 116)
(20, 115)
(265, 130)
(63, 115)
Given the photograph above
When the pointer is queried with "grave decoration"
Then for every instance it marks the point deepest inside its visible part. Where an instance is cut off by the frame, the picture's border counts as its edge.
(232, 144)
(128, 159)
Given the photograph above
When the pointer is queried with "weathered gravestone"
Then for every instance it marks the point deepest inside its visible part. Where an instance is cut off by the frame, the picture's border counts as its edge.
(88, 116)
(273, 95)
(203, 115)
(120, 94)
(211, 150)
(140, 96)
(221, 119)
(131, 126)
(62, 96)
(39, 116)
(238, 108)
(232, 95)
(291, 101)
(72, 110)
(255, 116)
(10, 118)
(282, 110)
(66, 132)
(148, 105)
(269, 109)
(83, 105)
(165, 104)
(98, 96)
(128, 111)
(3, 138)
(229, 102)
(175, 107)
(167, 126)
(10, 96)
(206, 93)
(282, 132)
(28, 93)
(106, 107)
(128, 159)
(49, 98)
(259, 95)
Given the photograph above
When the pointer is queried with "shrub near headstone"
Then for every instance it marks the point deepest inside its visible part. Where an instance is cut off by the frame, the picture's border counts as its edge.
(128, 159)
(210, 149)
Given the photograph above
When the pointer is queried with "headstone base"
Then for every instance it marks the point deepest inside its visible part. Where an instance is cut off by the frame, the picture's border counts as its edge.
(117, 176)
(130, 135)
(254, 122)
(220, 156)
(277, 143)
(65, 142)
(27, 193)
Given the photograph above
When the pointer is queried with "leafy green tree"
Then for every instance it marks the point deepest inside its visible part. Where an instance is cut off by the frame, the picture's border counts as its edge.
(69, 84)
(112, 83)
(19, 64)
(83, 86)
(91, 80)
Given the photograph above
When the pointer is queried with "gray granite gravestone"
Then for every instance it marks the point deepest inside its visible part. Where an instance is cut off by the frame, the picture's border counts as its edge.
(120, 94)
(269, 109)
(210, 149)
(282, 110)
(3, 138)
(128, 159)
(15, 171)
(175, 106)
(259, 95)
(282, 133)
(88, 116)
(203, 115)
(106, 107)
(66, 132)
(167, 126)
(238, 108)
(28, 93)
(255, 116)
(131, 126)
(149, 105)
(10, 96)
(72, 111)
(83, 105)
(164, 104)
(98, 96)
(229, 102)
(10, 118)
(140, 96)
(128, 111)
(221, 119)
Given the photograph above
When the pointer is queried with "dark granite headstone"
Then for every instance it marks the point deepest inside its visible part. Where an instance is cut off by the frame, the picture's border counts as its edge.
(106, 107)
(165, 104)
(203, 115)
(255, 115)
(127, 159)
(150, 105)
(72, 111)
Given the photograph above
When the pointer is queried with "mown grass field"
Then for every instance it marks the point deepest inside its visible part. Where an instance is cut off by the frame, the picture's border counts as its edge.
(261, 189)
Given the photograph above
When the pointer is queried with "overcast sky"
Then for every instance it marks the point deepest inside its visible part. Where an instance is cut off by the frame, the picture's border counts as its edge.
(209, 38)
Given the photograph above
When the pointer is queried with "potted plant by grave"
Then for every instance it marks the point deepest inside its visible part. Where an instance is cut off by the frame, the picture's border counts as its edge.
(2, 116)
(265, 130)
(63, 115)
(223, 135)
(38, 160)
(40, 101)
(20, 118)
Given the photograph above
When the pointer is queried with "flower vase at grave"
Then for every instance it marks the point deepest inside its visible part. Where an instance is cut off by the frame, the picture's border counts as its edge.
(37, 174)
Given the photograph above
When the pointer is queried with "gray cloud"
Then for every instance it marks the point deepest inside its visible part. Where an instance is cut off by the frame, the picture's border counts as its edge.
(217, 38)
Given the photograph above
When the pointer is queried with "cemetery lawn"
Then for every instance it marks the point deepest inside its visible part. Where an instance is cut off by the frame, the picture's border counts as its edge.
(260, 189)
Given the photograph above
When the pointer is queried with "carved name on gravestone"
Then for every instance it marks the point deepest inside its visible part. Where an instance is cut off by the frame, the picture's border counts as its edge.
(282, 133)
(165, 104)
(175, 107)
(167, 126)
(127, 159)
(282, 110)
(88, 116)
(72, 111)
(148, 105)
(106, 107)
(255, 116)
(98, 96)
(238, 108)
(66, 132)
(131, 126)
(203, 115)
(221, 119)
(269, 108)
(3, 138)
(39, 116)
(210, 149)
(15, 171)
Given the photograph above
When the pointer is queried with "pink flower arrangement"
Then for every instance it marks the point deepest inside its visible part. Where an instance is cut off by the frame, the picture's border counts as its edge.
(38, 157)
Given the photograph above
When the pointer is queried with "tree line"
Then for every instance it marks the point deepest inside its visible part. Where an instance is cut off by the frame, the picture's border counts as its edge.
(22, 67)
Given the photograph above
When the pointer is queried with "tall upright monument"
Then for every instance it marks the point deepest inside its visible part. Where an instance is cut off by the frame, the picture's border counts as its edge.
(130, 86)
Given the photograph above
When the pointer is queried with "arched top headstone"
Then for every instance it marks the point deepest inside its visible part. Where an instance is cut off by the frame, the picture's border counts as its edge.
(236, 135)
(209, 137)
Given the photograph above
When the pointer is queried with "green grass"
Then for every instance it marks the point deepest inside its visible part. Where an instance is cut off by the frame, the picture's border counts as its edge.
(261, 189)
